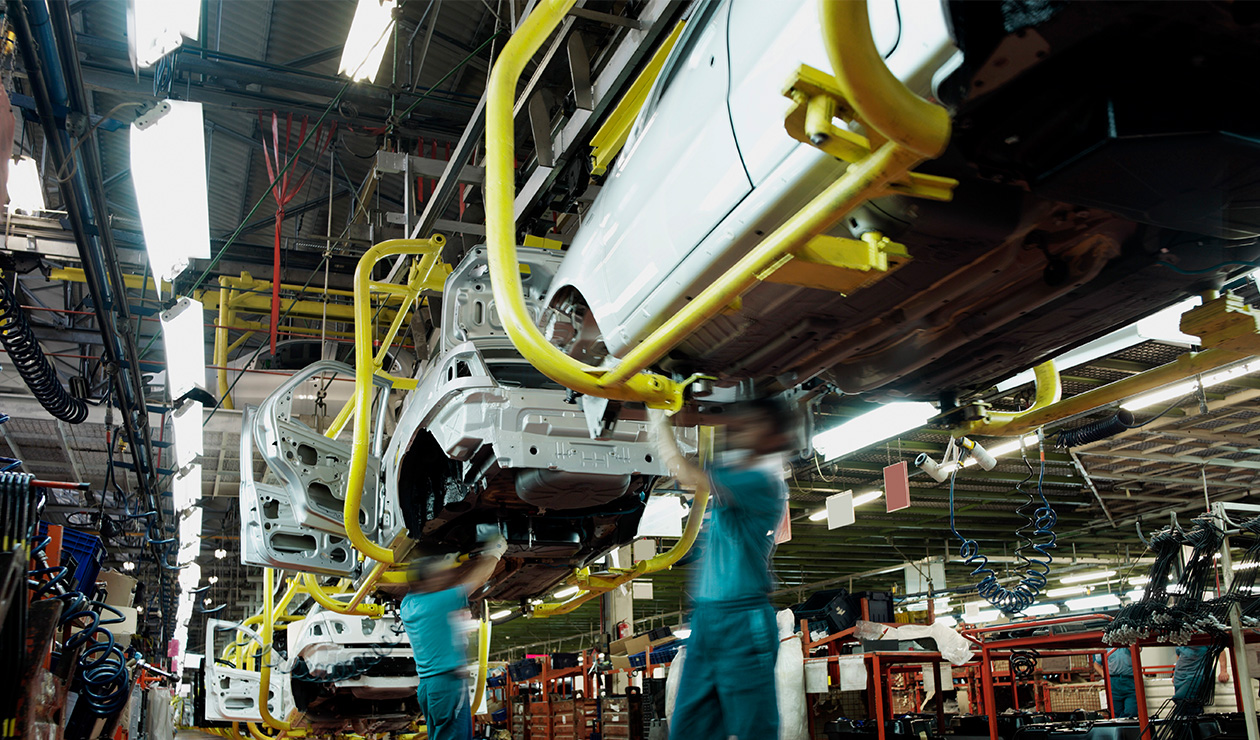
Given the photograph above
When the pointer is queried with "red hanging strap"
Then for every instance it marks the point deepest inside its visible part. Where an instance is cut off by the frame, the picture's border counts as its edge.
(282, 193)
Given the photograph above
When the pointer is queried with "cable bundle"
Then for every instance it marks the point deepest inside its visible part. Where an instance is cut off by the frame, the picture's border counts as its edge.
(27, 356)
(17, 518)
(1149, 616)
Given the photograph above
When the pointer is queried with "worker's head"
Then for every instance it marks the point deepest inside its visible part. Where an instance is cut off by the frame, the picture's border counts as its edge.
(763, 426)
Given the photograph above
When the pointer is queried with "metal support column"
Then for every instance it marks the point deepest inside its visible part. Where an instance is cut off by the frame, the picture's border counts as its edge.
(1239, 646)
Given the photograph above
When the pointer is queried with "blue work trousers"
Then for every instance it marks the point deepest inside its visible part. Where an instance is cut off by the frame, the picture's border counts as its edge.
(727, 689)
(444, 702)
(1123, 696)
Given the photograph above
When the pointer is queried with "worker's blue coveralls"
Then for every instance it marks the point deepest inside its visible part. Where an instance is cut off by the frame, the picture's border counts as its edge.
(440, 650)
(1188, 679)
(727, 686)
(1123, 694)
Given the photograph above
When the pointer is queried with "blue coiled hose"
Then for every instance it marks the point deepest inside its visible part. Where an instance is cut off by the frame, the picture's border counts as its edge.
(103, 683)
(1036, 569)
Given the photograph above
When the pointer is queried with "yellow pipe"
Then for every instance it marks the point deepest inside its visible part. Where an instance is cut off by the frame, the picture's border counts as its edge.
(1185, 366)
(339, 421)
(257, 734)
(505, 278)
(221, 348)
(1049, 391)
(264, 674)
(365, 367)
(483, 658)
(369, 583)
(878, 98)
(240, 340)
(595, 584)
(312, 587)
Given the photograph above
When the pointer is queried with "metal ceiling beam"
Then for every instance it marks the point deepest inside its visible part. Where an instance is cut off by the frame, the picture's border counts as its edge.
(1217, 462)
(64, 434)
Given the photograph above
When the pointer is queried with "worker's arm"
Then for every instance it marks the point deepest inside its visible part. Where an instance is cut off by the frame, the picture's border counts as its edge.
(688, 474)
(482, 563)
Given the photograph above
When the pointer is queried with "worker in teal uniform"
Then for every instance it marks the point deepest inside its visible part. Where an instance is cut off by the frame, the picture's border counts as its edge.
(1191, 675)
(727, 685)
(1123, 693)
(432, 613)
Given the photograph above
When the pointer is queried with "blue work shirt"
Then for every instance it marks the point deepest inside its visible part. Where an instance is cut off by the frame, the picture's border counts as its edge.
(1120, 662)
(431, 620)
(739, 540)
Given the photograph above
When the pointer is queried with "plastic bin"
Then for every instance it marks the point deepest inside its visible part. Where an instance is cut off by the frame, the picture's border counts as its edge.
(82, 553)
(829, 611)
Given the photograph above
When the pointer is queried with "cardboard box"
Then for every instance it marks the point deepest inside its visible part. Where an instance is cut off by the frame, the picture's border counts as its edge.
(629, 645)
(621, 662)
(120, 590)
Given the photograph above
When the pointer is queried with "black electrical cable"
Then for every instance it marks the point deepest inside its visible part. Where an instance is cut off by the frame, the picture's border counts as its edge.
(31, 363)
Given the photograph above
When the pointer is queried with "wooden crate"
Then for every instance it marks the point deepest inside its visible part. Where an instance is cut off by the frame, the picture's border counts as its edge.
(1069, 697)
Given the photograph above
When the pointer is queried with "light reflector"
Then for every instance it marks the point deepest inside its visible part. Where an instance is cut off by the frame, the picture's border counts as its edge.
(168, 169)
(158, 27)
(189, 439)
(26, 189)
(369, 35)
(186, 488)
(1083, 577)
(184, 340)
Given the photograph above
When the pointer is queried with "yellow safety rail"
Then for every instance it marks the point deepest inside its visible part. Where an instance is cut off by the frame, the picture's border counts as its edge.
(427, 273)
(1049, 391)
(311, 586)
(595, 584)
(270, 609)
(907, 129)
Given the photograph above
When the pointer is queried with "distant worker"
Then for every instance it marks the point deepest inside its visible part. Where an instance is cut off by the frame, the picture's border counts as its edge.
(433, 613)
(727, 687)
(1123, 693)
(1191, 680)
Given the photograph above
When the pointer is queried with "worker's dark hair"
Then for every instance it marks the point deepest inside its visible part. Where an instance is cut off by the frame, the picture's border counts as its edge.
(784, 417)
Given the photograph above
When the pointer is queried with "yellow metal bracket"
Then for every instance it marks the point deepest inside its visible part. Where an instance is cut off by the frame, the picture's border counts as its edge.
(838, 264)
(612, 135)
(817, 101)
(1224, 322)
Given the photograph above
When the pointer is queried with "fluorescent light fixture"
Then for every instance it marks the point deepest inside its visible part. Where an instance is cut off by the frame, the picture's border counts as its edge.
(1163, 326)
(662, 517)
(1101, 601)
(1175, 391)
(184, 341)
(1041, 610)
(1140, 580)
(190, 536)
(158, 27)
(566, 592)
(186, 426)
(818, 516)
(26, 188)
(1136, 594)
(1055, 593)
(947, 620)
(1083, 577)
(186, 488)
(212, 580)
(501, 614)
(369, 35)
(168, 169)
(873, 427)
(1005, 448)
(866, 498)
(220, 553)
(129, 565)
(188, 578)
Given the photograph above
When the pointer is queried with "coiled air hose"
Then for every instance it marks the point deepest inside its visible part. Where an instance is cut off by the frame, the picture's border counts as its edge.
(103, 683)
(27, 356)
